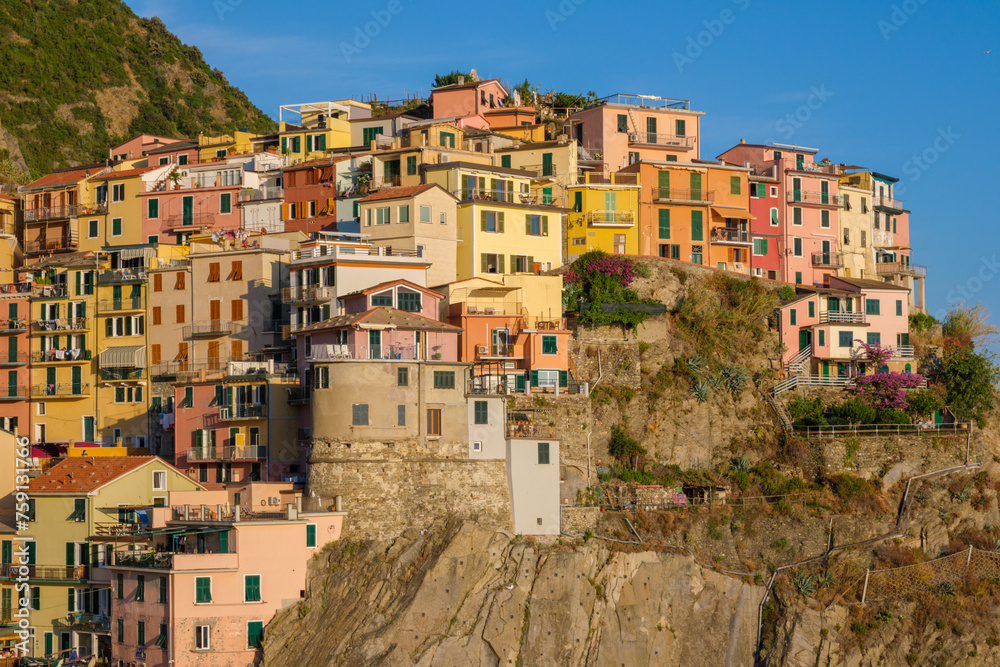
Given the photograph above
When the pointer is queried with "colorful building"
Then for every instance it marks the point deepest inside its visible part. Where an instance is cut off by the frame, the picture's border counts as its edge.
(502, 227)
(53, 205)
(765, 226)
(512, 331)
(74, 500)
(15, 355)
(604, 214)
(421, 219)
(621, 129)
(467, 98)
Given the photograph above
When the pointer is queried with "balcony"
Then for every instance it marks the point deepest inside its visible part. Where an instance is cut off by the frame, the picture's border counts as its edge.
(16, 359)
(608, 218)
(299, 395)
(883, 238)
(240, 411)
(900, 269)
(61, 390)
(134, 303)
(818, 168)
(544, 170)
(117, 276)
(485, 194)
(841, 317)
(159, 560)
(71, 325)
(13, 571)
(13, 325)
(307, 293)
(820, 198)
(261, 194)
(827, 259)
(614, 178)
(730, 236)
(63, 243)
(886, 202)
(122, 374)
(60, 356)
(208, 328)
(684, 195)
(13, 393)
(331, 352)
(665, 140)
(63, 212)
(227, 453)
(187, 367)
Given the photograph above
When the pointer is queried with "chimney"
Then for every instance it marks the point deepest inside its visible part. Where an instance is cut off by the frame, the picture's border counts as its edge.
(743, 141)
(461, 79)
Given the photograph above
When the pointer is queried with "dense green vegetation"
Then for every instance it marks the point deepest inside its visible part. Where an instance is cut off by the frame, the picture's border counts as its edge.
(58, 53)
(598, 286)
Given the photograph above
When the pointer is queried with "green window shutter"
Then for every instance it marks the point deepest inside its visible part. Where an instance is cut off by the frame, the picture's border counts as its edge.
(309, 143)
(226, 202)
(578, 202)
(534, 378)
(505, 161)
(696, 225)
(734, 185)
(664, 214)
(899, 308)
(822, 338)
(812, 309)
(255, 634)
(663, 180)
(71, 552)
(545, 225)
(71, 599)
(500, 222)
(78, 274)
(793, 316)
(411, 165)
(482, 220)
(680, 128)
(527, 224)
(563, 378)
(501, 267)
(797, 216)
(310, 534)
(484, 267)
(531, 264)
(154, 208)
(798, 277)
(322, 142)
(284, 144)
(763, 246)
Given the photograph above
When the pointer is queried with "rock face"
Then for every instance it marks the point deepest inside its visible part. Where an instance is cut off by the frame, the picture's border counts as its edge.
(462, 594)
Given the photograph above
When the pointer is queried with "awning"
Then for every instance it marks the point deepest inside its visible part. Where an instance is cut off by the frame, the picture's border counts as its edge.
(126, 356)
(135, 253)
(729, 212)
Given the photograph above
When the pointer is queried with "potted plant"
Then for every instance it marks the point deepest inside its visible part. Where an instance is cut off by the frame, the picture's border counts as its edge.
(363, 181)
(436, 356)
(175, 176)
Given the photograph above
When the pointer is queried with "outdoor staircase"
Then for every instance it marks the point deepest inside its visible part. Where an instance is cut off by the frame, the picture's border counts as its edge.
(779, 409)
(798, 363)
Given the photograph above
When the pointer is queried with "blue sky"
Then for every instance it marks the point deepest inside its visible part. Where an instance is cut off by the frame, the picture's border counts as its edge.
(906, 88)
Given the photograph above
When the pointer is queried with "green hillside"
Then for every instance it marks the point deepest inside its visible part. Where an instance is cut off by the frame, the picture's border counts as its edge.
(80, 76)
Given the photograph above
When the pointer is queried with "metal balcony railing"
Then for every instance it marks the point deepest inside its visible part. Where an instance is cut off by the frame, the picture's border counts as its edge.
(818, 167)
(243, 411)
(56, 356)
(60, 326)
(12, 392)
(59, 212)
(187, 367)
(827, 259)
(841, 317)
(60, 390)
(64, 242)
(8, 359)
(132, 303)
(13, 325)
(209, 328)
(307, 293)
(884, 201)
(112, 374)
(261, 194)
(350, 252)
(900, 268)
(112, 276)
(44, 572)
(604, 217)
(485, 194)
(227, 453)
(730, 235)
(807, 197)
(657, 139)
(684, 194)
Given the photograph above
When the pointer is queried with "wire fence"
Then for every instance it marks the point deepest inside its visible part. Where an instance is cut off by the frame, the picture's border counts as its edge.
(901, 582)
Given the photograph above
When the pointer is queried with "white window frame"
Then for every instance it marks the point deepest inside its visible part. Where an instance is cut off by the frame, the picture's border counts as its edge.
(547, 383)
(203, 637)
(774, 219)
(121, 226)
(261, 578)
(774, 190)
(802, 251)
(161, 475)
(117, 192)
(802, 217)
(311, 213)
(40, 409)
(211, 591)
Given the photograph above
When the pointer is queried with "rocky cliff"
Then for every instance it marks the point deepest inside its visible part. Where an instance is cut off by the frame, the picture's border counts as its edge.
(458, 593)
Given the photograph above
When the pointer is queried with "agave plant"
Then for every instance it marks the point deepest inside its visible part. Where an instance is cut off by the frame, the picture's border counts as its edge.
(701, 391)
(826, 579)
(696, 362)
(735, 378)
(742, 464)
(805, 584)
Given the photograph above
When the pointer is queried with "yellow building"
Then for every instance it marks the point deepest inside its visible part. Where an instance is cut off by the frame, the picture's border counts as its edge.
(502, 227)
(64, 404)
(11, 252)
(422, 144)
(223, 145)
(114, 196)
(855, 218)
(80, 507)
(322, 127)
(554, 164)
(604, 215)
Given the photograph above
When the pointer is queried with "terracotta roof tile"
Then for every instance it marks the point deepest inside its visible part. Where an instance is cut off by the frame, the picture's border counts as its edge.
(64, 177)
(86, 473)
(399, 193)
(124, 174)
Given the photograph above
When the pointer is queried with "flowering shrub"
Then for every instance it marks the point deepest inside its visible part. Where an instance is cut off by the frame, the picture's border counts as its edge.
(883, 390)
(598, 278)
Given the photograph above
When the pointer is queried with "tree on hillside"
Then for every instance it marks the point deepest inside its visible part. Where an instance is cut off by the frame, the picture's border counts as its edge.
(449, 78)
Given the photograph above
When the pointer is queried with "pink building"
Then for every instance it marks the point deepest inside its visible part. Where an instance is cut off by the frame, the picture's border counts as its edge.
(138, 146)
(765, 227)
(201, 198)
(821, 327)
(467, 98)
(201, 583)
(179, 152)
(808, 205)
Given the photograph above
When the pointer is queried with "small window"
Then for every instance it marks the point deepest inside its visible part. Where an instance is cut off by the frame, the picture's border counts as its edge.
(255, 634)
(550, 345)
(203, 590)
(92, 227)
(116, 226)
(401, 415)
(163, 590)
(425, 214)
(79, 510)
(202, 637)
(543, 453)
(793, 317)
(121, 630)
(434, 421)
(121, 586)
(481, 412)
(845, 339)
(159, 480)
(873, 307)
(226, 202)
(359, 414)
(140, 588)
(444, 379)
(403, 376)
(251, 588)
(812, 309)
(311, 535)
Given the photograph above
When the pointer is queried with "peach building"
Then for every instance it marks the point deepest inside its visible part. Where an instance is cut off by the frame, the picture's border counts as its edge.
(200, 583)
(467, 98)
